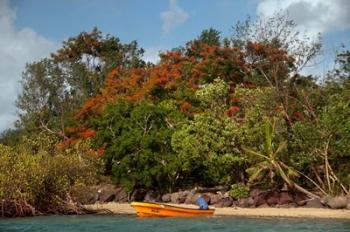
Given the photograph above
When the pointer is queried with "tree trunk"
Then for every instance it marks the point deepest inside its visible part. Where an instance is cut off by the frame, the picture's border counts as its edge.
(292, 184)
(306, 192)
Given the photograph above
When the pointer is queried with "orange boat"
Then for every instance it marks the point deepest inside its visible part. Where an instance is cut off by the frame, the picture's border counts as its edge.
(144, 209)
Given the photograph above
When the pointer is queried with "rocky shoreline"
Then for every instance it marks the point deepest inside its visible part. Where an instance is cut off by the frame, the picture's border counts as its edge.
(216, 197)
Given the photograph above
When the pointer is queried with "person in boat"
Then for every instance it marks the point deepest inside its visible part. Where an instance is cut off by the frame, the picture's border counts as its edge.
(202, 203)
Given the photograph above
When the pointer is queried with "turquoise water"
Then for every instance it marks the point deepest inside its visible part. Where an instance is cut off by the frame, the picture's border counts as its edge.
(133, 224)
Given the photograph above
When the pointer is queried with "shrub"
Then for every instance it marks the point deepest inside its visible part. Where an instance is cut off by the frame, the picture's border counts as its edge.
(38, 181)
(239, 191)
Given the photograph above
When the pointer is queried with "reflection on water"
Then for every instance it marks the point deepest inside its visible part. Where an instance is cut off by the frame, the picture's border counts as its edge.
(133, 224)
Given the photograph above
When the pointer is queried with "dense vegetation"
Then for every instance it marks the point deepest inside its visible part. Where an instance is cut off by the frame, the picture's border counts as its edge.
(234, 112)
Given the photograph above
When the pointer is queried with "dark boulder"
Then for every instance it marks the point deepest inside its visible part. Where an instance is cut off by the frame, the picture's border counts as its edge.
(106, 193)
(138, 195)
(300, 199)
(272, 198)
(120, 195)
(214, 198)
(224, 202)
(255, 193)
(285, 198)
(246, 202)
(259, 200)
(210, 190)
(85, 195)
(151, 196)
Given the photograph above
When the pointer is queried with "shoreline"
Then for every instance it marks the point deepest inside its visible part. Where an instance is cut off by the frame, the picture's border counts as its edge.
(126, 209)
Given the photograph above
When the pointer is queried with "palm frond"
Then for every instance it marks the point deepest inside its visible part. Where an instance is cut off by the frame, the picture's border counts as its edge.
(269, 130)
(256, 175)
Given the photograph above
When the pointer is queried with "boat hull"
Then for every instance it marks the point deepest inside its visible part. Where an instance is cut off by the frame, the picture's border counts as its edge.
(144, 209)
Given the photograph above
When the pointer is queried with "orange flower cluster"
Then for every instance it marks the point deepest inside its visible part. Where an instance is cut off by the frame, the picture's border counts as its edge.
(232, 111)
(184, 70)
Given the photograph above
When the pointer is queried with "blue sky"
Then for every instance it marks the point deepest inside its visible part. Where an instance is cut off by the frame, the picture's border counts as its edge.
(31, 29)
(129, 20)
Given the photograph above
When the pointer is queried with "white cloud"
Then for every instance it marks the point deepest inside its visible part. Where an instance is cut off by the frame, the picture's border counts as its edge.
(314, 16)
(173, 17)
(17, 47)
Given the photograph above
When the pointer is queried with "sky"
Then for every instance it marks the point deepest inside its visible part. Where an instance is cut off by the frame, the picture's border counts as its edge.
(32, 29)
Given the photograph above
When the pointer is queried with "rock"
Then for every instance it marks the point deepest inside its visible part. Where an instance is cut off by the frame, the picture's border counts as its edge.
(214, 198)
(337, 202)
(255, 193)
(194, 198)
(290, 205)
(226, 194)
(174, 198)
(106, 193)
(224, 202)
(273, 198)
(166, 197)
(211, 190)
(235, 203)
(179, 197)
(264, 206)
(300, 199)
(121, 196)
(183, 196)
(189, 197)
(246, 202)
(151, 196)
(138, 195)
(314, 203)
(85, 195)
(91, 198)
(285, 198)
(259, 200)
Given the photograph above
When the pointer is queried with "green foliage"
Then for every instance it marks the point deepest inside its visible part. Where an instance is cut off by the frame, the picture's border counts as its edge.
(325, 139)
(255, 106)
(213, 96)
(207, 150)
(54, 88)
(238, 191)
(207, 147)
(34, 180)
(43, 98)
(138, 151)
(210, 113)
(342, 70)
(10, 137)
(210, 37)
(269, 162)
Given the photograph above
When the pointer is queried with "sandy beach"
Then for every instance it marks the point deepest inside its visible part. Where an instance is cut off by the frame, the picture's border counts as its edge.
(118, 208)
